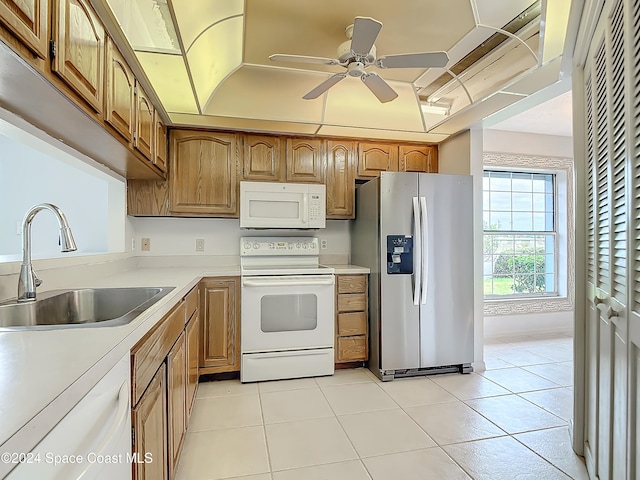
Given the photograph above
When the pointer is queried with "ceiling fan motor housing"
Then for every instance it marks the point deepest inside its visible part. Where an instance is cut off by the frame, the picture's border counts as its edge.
(346, 55)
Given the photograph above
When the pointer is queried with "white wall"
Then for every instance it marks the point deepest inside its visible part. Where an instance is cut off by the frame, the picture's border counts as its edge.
(177, 236)
(498, 141)
(527, 143)
(31, 173)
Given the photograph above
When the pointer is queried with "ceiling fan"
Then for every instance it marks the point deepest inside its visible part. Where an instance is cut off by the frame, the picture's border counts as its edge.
(359, 53)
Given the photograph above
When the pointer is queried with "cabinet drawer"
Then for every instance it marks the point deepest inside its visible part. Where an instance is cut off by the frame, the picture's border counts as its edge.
(149, 353)
(352, 324)
(352, 283)
(191, 304)
(356, 302)
(352, 348)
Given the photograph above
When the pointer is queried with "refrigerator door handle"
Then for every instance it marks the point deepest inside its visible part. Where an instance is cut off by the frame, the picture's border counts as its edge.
(417, 251)
(425, 250)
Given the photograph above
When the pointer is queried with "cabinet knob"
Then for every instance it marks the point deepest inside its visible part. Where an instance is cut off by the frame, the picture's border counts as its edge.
(612, 313)
(597, 301)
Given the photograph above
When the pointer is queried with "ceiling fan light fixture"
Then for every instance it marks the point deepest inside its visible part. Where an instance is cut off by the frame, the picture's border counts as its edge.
(435, 108)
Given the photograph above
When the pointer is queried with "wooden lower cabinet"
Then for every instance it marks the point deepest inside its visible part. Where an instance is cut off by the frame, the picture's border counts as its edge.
(351, 318)
(160, 415)
(177, 405)
(149, 418)
(220, 329)
(193, 352)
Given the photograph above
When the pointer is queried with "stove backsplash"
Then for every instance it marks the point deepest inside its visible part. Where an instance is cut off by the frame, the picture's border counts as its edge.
(177, 236)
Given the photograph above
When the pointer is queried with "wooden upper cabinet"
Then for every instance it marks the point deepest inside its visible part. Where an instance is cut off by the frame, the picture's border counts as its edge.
(418, 158)
(305, 160)
(29, 21)
(79, 49)
(263, 158)
(203, 173)
(160, 139)
(374, 158)
(143, 137)
(340, 178)
(119, 93)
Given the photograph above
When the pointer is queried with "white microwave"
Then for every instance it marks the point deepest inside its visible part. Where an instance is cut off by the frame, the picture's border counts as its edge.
(282, 205)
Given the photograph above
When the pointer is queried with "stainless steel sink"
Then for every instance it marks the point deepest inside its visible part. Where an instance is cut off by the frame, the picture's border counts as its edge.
(87, 307)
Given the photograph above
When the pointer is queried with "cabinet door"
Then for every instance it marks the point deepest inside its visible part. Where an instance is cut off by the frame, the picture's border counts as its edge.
(374, 158)
(120, 84)
(149, 418)
(160, 157)
(305, 160)
(29, 21)
(263, 158)
(203, 173)
(340, 179)
(176, 393)
(143, 137)
(418, 158)
(220, 330)
(193, 352)
(79, 57)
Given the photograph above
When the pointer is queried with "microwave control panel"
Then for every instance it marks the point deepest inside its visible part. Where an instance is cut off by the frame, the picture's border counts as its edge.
(315, 206)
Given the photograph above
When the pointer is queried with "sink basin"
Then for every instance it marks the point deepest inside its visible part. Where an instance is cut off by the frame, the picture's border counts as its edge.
(86, 307)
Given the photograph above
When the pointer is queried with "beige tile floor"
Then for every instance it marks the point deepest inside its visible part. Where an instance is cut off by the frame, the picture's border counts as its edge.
(508, 422)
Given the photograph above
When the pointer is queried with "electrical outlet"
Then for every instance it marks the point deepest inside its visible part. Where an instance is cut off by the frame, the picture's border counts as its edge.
(133, 244)
(145, 245)
(199, 244)
(323, 244)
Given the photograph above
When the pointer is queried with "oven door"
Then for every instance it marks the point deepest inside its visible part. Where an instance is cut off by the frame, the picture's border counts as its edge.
(287, 312)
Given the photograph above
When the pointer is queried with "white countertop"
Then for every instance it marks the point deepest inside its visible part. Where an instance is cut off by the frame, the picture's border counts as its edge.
(44, 373)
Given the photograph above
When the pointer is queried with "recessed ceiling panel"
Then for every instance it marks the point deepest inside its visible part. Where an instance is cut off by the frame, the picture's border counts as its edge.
(302, 28)
(351, 104)
(195, 16)
(168, 77)
(268, 94)
(214, 55)
(498, 14)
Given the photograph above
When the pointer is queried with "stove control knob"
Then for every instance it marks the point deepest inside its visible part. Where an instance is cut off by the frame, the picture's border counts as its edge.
(247, 246)
(256, 245)
(305, 245)
(298, 245)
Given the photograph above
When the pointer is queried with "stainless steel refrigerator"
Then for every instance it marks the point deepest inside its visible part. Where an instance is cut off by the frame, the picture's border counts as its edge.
(414, 231)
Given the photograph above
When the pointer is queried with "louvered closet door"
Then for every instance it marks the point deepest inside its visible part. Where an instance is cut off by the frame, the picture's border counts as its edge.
(609, 184)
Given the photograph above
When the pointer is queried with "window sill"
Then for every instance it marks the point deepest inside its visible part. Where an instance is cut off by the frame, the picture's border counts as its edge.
(524, 305)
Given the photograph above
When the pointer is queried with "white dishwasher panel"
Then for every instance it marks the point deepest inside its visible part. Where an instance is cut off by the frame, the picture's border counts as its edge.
(93, 441)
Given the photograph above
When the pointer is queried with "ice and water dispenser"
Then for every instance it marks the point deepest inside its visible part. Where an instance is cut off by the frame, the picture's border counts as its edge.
(399, 254)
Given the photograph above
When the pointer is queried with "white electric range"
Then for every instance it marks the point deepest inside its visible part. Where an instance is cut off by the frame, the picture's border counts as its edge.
(287, 315)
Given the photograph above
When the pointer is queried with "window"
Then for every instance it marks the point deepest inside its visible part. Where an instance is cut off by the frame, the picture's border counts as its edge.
(520, 234)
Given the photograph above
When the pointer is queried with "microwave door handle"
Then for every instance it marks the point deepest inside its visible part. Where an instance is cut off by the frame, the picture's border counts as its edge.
(305, 208)
(417, 254)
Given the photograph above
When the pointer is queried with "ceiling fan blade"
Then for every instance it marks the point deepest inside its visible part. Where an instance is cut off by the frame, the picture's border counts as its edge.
(379, 87)
(281, 57)
(414, 60)
(324, 86)
(365, 32)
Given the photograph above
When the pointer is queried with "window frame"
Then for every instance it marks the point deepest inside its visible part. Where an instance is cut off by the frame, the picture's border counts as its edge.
(514, 233)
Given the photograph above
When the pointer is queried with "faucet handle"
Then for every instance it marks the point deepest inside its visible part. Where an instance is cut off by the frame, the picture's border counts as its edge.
(36, 280)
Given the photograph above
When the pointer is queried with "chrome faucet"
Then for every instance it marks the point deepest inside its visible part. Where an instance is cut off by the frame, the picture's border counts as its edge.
(28, 281)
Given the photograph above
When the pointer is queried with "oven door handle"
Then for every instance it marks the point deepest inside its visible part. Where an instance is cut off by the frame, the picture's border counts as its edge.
(287, 281)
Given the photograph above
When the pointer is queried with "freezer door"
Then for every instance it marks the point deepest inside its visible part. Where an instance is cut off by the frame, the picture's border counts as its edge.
(400, 317)
(446, 316)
